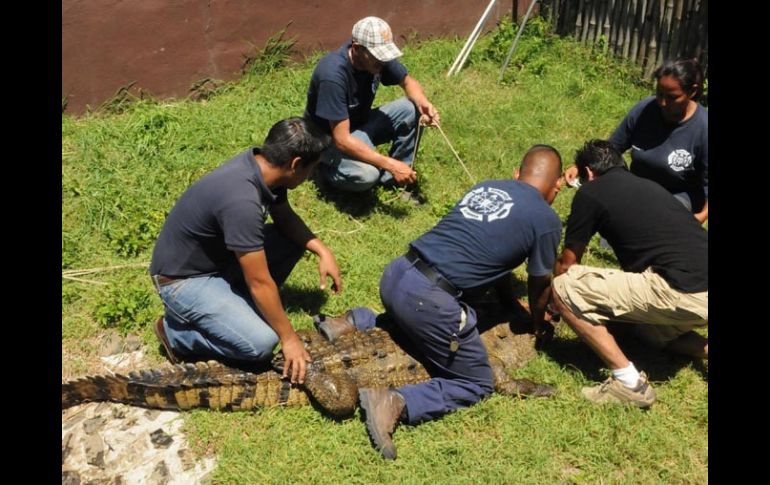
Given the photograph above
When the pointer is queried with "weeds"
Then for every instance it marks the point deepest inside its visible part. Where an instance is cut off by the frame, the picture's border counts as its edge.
(273, 55)
(127, 306)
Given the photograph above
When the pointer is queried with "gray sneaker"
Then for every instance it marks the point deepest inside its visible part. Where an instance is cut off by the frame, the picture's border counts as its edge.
(611, 390)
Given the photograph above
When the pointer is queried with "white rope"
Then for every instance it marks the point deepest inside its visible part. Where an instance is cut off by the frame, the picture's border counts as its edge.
(455, 153)
(360, 226)
(80, 272)
(83, 280)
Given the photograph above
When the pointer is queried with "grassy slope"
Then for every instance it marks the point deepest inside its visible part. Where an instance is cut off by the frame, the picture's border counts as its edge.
(121, 173)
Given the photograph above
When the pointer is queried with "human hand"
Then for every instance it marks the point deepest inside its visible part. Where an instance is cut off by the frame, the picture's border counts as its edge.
(327, 268)
(402, 173)
(428, 114)
(571, 176)
(295, 359)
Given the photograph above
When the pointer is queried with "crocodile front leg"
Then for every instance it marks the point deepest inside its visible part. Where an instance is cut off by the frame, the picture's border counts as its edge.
(505, 384)
(337, 394)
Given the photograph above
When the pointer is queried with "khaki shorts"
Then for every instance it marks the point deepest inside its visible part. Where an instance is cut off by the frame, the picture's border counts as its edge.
(602, 295)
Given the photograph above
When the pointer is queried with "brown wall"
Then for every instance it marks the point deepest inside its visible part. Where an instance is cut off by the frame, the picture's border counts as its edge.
(165, 46)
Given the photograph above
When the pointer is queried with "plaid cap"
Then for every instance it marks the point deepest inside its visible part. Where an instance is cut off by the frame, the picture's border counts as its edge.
(374, 34)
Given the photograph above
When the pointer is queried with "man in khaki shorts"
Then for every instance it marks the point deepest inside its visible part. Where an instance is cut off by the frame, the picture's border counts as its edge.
(661, 292)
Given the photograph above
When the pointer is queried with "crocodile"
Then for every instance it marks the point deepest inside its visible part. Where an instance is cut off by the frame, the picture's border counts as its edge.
(369, 358)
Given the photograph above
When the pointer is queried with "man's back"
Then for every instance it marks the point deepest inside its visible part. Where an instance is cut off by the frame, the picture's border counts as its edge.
(645, 225)
(493, 229)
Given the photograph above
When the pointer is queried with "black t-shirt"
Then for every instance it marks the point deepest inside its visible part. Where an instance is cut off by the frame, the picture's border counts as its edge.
(645, 225)
(493, 229)
(338, 92)
(223, 212)
(676, 155)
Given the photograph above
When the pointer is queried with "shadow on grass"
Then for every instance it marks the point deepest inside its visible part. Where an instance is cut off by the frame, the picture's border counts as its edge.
(658, 364)
(358, 204)
(309, 301)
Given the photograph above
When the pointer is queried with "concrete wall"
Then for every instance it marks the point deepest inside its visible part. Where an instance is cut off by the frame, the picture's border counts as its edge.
(165, 46)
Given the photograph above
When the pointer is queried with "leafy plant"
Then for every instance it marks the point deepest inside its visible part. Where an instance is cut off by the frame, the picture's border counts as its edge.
(531, 51)
(137, 234)
(126, 305)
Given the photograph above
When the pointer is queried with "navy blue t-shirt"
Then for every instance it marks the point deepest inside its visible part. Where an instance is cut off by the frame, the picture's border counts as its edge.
(338, 92)
(645, 225)
(676, 155)
(492, 230)
(223, 212)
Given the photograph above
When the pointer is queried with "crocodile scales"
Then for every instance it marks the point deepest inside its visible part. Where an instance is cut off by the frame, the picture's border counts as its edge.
(359, 359)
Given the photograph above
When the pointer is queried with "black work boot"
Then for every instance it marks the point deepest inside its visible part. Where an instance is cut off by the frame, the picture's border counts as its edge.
(333, 328)
(384, 408)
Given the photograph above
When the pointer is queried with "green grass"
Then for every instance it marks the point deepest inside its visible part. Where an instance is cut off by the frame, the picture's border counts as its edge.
(122, 172)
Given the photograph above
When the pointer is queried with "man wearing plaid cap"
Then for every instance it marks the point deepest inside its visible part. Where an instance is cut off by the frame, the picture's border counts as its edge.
(339, 99)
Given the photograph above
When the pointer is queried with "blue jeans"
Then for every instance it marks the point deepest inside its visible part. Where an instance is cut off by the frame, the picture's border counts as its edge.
(429, 316)
(214, 316)
(395, 121)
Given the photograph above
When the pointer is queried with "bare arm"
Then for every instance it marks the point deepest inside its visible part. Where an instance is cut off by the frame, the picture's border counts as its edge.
(264, 291)
(703, 215)
(539, 293)
(292, 226)
(357, 149)
(569, 256)
(414, 91)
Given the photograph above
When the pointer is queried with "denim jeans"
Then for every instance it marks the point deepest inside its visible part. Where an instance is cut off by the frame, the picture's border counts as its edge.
(395, 121)
(214, 316)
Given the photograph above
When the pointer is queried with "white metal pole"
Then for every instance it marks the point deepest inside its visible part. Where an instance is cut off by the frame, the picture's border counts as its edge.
(468, 52)
(456, 65)
(516, 40)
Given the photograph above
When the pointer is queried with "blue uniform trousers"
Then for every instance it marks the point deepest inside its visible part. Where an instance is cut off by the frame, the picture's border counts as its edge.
(429, 316)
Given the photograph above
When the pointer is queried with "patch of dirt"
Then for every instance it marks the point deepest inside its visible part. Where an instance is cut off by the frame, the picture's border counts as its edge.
(115, 443)
(91, 361)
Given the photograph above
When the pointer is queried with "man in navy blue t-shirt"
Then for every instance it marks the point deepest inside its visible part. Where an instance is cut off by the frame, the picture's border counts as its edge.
(339, 99)
(496, 226)
(217, 266)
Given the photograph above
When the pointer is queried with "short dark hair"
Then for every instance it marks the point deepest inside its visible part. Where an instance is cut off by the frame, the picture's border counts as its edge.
(599, 156)
(294, 137)
(687, 71)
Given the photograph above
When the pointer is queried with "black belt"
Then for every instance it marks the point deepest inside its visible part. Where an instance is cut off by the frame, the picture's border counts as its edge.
(161, 280)
(434, 276)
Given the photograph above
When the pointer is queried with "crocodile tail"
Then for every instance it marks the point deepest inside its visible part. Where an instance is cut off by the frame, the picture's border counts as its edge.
(186, 386)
